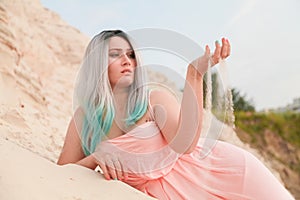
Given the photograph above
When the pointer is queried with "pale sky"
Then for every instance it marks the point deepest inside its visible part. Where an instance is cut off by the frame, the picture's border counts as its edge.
(264, 34)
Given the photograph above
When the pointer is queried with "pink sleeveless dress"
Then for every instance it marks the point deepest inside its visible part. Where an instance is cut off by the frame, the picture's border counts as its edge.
(227, 172)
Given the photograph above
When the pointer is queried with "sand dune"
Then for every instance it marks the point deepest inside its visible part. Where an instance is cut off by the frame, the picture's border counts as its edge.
(39, 59)
(25, 175)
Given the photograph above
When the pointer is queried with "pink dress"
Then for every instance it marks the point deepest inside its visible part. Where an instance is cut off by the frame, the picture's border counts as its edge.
(227, 172)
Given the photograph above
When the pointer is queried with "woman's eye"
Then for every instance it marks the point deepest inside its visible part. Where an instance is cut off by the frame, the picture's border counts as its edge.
(131, 55)
(114, 55)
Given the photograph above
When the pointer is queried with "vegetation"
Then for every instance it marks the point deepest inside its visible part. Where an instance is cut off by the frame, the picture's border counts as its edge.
(286, 125)
(253, 127)
(240, 102)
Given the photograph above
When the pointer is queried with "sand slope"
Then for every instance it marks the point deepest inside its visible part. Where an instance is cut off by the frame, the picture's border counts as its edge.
(25, 175)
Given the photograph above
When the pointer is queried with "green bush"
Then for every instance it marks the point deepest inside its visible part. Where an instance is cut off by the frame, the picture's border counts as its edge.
(286, 125)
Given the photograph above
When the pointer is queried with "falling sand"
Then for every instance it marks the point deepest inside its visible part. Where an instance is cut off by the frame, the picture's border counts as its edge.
(223, 102)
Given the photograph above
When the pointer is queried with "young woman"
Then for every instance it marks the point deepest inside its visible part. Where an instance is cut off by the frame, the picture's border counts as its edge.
(148, 140)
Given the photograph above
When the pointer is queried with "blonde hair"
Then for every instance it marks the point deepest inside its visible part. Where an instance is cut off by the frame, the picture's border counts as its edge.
(94, 93)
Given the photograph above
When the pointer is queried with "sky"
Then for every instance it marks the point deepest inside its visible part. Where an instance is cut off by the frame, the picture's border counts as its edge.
(265, 36)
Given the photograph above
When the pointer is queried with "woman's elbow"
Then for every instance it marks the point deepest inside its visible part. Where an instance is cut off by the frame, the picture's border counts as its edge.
(183, 149)
(61, 162)
(190, 149)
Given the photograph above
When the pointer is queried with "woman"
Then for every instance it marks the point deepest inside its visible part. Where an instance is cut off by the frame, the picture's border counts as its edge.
(147, 139)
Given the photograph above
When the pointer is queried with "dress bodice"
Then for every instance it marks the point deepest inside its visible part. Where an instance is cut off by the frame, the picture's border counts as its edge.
(143, 152)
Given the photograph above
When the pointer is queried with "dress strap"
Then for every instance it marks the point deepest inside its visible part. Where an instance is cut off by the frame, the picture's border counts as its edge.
(150, 107)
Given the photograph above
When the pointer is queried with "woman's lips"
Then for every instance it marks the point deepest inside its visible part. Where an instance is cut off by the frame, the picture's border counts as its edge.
(126, 71)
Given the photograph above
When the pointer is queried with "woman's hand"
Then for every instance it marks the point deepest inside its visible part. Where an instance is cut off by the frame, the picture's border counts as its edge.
(111, 166)
(221, 52)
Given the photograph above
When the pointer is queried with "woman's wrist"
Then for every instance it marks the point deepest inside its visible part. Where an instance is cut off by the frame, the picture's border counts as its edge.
(194, 72)
(89, 162)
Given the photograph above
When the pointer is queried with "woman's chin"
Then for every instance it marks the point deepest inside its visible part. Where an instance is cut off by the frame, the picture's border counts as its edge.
(124, 82)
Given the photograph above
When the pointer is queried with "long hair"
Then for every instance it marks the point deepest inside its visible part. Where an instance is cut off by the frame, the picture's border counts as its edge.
(94, 93)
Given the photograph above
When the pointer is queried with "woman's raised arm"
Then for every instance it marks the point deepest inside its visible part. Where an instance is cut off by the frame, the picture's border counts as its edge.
(181, 126)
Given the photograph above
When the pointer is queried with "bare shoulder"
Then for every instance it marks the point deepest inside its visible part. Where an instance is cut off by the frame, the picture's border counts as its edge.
(162, 97)
(79, 115)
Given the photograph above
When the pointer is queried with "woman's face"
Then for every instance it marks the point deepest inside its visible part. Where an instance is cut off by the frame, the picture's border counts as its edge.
(121, 63)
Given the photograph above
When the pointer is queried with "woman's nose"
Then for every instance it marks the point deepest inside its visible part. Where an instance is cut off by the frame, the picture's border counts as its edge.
(126, 59)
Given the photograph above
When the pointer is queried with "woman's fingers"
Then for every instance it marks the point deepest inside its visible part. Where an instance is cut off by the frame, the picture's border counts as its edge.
(104, 169)
(224, 49)
(221, 51)
(112, 168)
(118, 169)
(217, 54)
(225, 52)
(207, 51)
(229, 47)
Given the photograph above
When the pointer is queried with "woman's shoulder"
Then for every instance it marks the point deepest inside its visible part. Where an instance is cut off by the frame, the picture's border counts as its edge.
(79, 114)
(162, 96)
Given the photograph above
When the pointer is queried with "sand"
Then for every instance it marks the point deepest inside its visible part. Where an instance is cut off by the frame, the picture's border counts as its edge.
(25, 175)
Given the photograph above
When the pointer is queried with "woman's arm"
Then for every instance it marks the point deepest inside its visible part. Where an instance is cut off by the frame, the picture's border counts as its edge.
(72, 150)
(181, 126)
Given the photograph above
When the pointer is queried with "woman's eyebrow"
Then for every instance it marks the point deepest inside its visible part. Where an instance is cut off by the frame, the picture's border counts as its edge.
(119, 49)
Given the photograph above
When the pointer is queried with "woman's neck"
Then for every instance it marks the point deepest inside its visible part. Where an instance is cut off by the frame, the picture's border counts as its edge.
(120, 101)
(121, 98)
